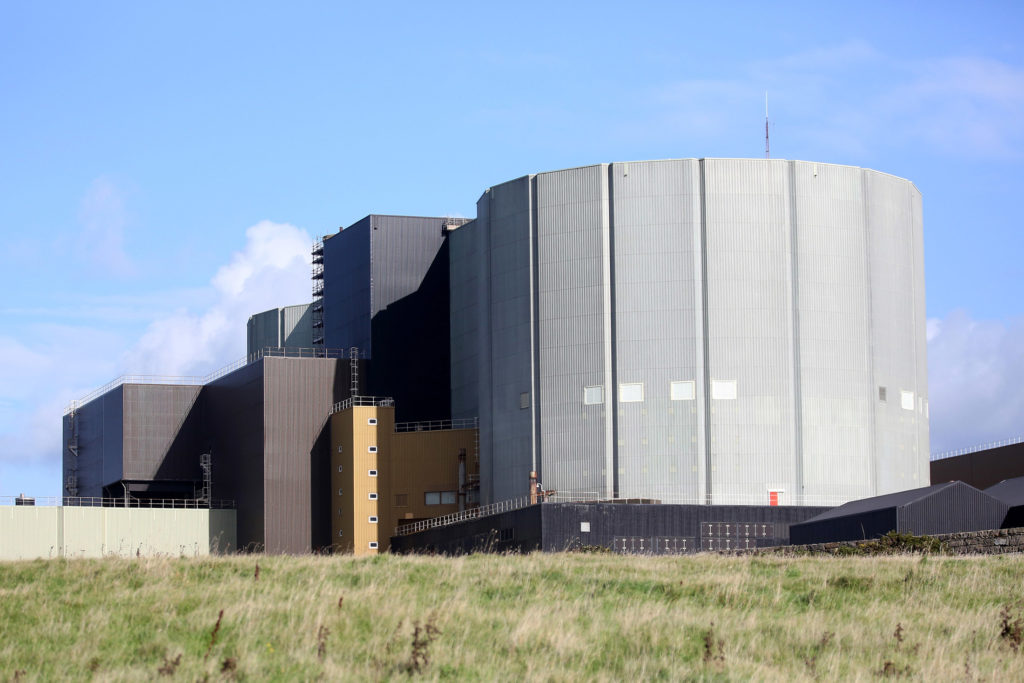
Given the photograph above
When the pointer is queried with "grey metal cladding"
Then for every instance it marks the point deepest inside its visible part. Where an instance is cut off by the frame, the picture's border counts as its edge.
(571, 223)
(233, 413)
(749, 300)
(788, 293)
(658, 338)
(466, 281)
(347, 287)
(837, 395)
(162, 432)
(510, 430)
(297, 326)
(263, 330)
(298, 393)
(100, 443)
(401, 250)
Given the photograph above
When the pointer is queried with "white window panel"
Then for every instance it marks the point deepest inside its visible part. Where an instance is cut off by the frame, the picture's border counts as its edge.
(682, 391)
(593, 395)
(447, 497)
(524, 400)
(631, 392)
(373, 545)
(723, 389)
(907, 400)
(432, 498)
(373, 519)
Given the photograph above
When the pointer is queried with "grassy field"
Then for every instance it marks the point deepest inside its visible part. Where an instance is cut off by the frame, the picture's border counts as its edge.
(535, 617)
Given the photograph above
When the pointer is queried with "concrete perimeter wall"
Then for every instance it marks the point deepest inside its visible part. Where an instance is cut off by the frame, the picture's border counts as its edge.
(29, 532)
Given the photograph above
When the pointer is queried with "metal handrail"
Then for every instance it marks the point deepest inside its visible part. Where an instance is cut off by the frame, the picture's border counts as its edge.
(974, 449)
(362, 401)
(456, 517)
(111, 502)
(437, 425)
(195, 380)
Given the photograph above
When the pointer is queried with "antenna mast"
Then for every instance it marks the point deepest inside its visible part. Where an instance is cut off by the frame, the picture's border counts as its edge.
(767, 149)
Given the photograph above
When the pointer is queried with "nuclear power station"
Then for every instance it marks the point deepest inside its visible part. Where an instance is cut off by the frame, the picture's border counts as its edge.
(742, 338)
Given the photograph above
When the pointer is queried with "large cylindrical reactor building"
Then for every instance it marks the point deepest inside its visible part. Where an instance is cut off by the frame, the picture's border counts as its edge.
(724, 331)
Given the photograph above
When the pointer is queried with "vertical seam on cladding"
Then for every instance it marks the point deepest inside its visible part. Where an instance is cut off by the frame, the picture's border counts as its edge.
(798, 423)
(534, 330)
(873, 401)
(611, 349)
(706, 334)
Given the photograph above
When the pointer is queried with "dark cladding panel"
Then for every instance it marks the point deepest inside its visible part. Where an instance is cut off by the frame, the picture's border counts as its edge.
(514, 531)
(299, 395)
(347, 287)
(403, 249)
(958, 508)
(97, 425)
(162, 439)
(982, 468)
(233, 421)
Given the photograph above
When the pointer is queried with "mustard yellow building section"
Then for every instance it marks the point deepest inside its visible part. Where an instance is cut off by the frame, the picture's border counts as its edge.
(425, 473)
(380, 478)
(360, 447)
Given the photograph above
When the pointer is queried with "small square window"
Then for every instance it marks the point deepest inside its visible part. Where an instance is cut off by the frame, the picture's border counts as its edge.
(339, 468)
(631, 392)
(371, 421)
(371, 449)
(524, 400)
(881, 394)
(339, 492)
(682, 391)
(372, 473)
(373, 545)
(373, 519)
(447, 497)
(373, 496)
(432, 498)
(340, 532)
(339, 449)
(593, 395)
(585, 527)
(723, 389)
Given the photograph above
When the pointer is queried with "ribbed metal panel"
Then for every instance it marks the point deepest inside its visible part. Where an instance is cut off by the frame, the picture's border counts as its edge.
(466, 281)
(509, 425)
(263, 330)
(794, 287)
(572, 321)
(837, 396)
(658, 326)
(296, 326)
(298, 393)
(162, 439)
(896, 291)
(402, 248)
(750, 326)
(347, 288)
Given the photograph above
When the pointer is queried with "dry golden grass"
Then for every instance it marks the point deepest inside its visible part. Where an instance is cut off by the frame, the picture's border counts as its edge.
(534, 617)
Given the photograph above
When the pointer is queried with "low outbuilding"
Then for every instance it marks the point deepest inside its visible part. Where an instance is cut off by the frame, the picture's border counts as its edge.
(940, 509)
(1011, 492)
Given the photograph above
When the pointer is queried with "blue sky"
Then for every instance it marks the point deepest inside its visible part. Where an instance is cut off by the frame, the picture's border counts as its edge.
(163, 170)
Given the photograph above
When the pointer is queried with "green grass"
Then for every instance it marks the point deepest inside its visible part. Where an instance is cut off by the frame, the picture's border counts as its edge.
(536, 617)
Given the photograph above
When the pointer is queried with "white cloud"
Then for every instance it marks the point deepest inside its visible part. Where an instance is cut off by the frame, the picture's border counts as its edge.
(853, 99)
(104, 219)
(975, 380)
(272, 270)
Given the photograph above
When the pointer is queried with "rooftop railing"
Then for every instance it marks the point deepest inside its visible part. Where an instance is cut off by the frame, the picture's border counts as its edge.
(362, 401)
(110, 502)
(436, 425)
(975, 449)
(195, 380)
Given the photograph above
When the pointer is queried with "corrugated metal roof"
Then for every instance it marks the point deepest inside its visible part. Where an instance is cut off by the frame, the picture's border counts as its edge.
(1010, 491)
(890, 500)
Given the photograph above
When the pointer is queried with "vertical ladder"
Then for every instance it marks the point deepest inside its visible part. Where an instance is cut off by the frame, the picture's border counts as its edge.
(317, 311)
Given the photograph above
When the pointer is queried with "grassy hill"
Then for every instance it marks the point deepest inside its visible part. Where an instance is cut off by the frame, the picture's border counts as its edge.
(535, 617)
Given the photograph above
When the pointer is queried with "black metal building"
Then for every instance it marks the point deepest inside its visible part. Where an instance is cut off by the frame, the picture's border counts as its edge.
(1011, 492)
(940, 509)
(385, 291)
(981, 469)
(264, 426)
(622, 527)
